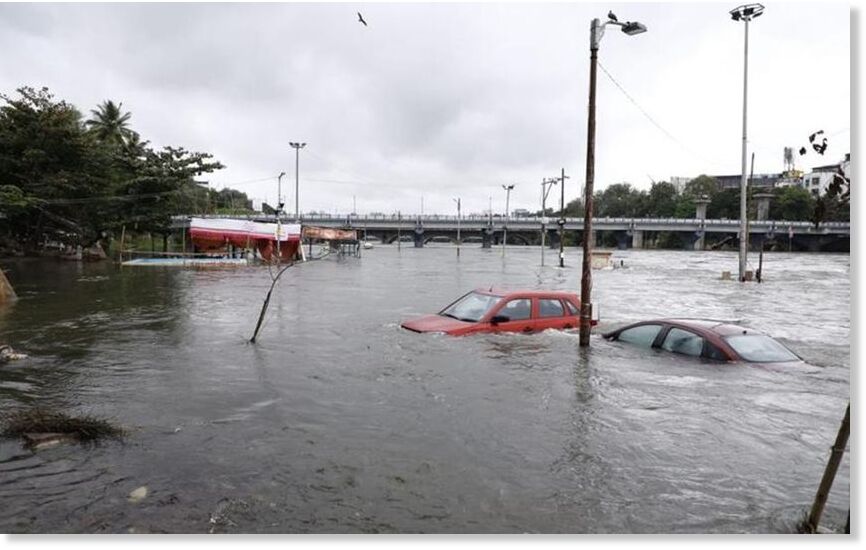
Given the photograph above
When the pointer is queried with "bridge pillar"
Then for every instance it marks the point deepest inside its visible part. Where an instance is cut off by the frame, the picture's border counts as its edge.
(701, 207)
(636, 238)
(486, 237)
(763, 205)
(691, 240)
(553, 238)
(699, 239)
(418, 234)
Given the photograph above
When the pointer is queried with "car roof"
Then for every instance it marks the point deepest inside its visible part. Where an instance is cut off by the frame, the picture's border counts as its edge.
(504, 293)
(721, 328)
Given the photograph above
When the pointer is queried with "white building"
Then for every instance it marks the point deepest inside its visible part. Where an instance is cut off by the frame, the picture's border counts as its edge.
(819, 179)
(680, 182)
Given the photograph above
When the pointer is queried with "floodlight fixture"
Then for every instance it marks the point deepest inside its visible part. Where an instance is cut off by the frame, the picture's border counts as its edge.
(633, 27)
(747, 12)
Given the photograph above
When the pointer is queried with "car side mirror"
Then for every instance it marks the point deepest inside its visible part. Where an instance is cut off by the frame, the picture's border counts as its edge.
(499, 319)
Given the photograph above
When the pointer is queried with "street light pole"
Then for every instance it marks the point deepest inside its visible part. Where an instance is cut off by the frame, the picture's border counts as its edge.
(546, 184)
(279, 209)
(596, 31)
(562, 219)
(508, 189)
(279, 187)
(457, 200)
(297, 147)
(744, 13)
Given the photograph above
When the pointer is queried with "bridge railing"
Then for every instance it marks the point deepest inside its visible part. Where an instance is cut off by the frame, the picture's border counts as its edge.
(535, 222)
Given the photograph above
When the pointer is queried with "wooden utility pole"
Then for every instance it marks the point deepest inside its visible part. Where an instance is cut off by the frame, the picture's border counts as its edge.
(586, 277)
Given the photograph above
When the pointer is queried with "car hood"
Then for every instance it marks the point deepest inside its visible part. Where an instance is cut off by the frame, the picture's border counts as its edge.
(434, 323)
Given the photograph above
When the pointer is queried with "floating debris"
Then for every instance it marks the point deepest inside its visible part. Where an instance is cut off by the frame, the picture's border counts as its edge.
(137, 495)
(49, 428)
(8, 354)
(39, 441)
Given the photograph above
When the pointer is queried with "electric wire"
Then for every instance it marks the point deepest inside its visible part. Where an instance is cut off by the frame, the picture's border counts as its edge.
(653, 121)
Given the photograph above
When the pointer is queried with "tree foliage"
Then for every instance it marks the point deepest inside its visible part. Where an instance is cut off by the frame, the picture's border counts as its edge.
(63, 178)
(663, 201)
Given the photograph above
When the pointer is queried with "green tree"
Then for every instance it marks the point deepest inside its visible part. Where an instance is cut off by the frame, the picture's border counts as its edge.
(619, 200)
(46, 154)
(792, 204)
(64, 181)
(702, 186)
(574, 208)
(109, 124)
(725, 204)
(661, 201)
(684, 207)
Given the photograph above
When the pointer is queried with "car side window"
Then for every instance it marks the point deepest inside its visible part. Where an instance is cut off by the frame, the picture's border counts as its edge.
(714, 353)
(572, 310)
(517, 310)
(684, 342)
(550, 308)
(643, 335)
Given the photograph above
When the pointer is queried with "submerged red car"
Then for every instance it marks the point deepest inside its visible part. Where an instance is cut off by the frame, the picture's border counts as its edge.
(713, 340)
(503, 311)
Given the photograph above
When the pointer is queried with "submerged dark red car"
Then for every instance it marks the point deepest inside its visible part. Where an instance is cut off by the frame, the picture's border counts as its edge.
(713, 340)
(503, 311)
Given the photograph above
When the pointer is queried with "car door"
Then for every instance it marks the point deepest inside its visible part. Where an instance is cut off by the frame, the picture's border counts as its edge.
(518, 311)
(683, 342)
(643, 336)
(552, 313)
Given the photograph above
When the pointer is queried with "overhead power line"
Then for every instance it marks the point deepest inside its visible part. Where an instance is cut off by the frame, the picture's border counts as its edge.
(656, 124)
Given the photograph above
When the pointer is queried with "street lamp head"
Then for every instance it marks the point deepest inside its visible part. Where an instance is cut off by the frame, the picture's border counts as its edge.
(297, 145)
(747, 12)
(633, 27)
(281, 174)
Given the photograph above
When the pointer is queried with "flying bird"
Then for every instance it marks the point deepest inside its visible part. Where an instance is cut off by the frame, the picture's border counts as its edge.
(361, 19)
(611, 16)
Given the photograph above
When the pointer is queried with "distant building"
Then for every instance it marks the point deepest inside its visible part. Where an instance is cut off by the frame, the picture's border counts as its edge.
(680, 182)
(766, 181)
(520, 213)
(819, 179)
(816, 182)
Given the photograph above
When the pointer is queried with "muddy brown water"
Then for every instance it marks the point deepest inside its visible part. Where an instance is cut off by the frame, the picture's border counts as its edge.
(338, 421)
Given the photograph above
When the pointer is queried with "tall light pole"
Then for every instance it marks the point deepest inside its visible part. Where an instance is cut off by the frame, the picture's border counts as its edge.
(745, 13)
(596, 31)
(457, 200)
(279, 191)
(508, 189)
(546, 184)
(279, 209)
(297, 147)
(562, 220)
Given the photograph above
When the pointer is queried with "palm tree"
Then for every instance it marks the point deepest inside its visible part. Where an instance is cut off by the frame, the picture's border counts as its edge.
(109, 123)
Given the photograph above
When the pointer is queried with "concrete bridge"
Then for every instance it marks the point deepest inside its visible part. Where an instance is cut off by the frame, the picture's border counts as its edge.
(693, 233)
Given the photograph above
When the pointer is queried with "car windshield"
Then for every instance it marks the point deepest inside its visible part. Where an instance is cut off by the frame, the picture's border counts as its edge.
(757, 348)
(471, 307)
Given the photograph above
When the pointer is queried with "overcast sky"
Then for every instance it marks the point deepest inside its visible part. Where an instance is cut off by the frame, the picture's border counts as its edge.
(444, 100)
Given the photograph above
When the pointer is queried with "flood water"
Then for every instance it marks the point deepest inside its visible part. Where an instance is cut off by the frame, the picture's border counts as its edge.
(338, 421)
